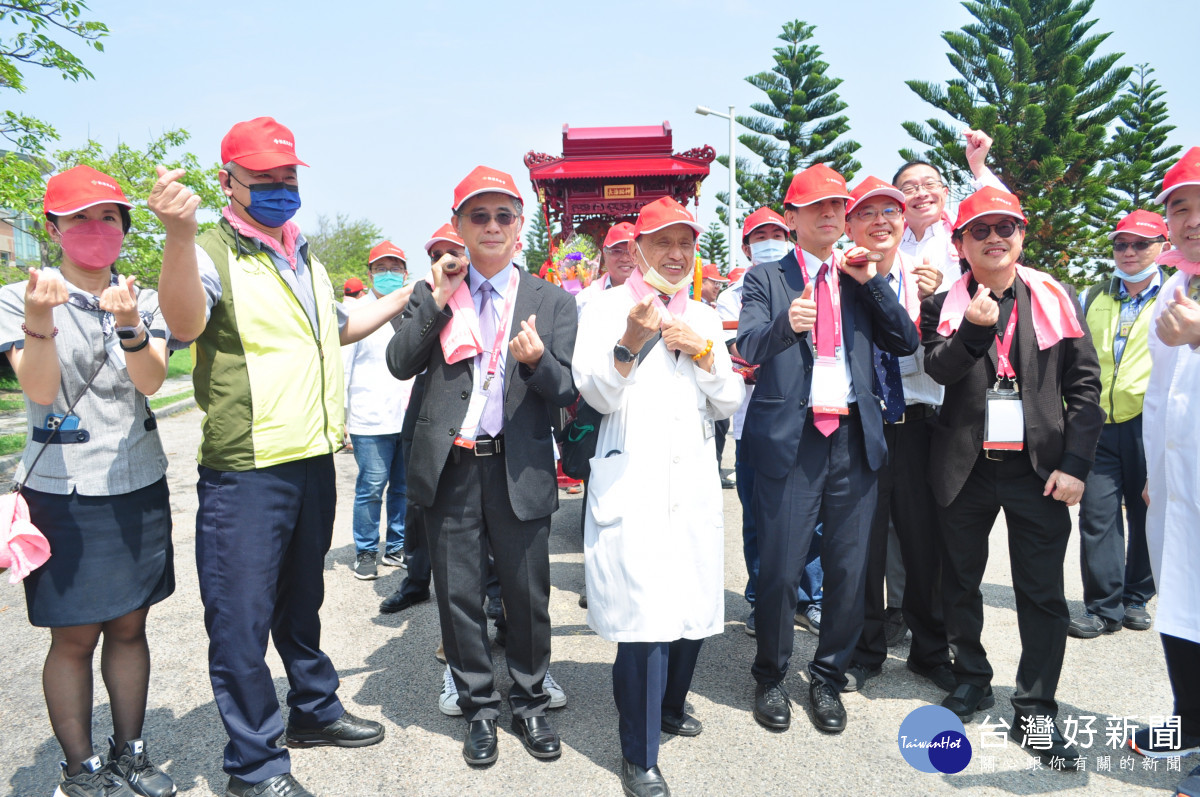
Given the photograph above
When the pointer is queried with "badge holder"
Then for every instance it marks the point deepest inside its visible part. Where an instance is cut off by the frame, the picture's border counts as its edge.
(1004, 419)
(829, 387)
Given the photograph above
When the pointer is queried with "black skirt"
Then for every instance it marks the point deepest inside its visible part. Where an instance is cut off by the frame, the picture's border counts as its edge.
(109, 555)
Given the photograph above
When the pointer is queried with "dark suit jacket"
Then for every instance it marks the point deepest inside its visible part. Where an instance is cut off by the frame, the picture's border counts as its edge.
(1060, 393)
(530, 396)
(871, 313)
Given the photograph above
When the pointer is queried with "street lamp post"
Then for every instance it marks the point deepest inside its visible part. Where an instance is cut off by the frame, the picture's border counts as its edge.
(733, 236)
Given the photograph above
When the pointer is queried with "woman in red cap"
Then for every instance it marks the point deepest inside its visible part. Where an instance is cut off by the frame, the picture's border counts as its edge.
(88, 347)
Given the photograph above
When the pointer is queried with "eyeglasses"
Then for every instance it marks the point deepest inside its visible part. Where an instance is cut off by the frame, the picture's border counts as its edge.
(618, 252)
(385, 270)
(1140, 246)
(910, 189)
(481, 218)
(981, 231)
(889, 213)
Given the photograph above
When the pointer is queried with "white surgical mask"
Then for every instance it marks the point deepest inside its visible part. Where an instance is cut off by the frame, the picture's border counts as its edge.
(768, 251)
(1144, 274)
(660, 283)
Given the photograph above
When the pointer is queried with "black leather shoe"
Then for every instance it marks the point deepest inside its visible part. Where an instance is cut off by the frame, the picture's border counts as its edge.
(1054, 751)
(346, 731)
(966, 699)
(772, 708)
(828, 713)
(1089, 626)
(479, 748)
(538, 736)
(859, 674)
(941, 675)
(681, 724)
(638, 782)
(398, 601)
(279, 786)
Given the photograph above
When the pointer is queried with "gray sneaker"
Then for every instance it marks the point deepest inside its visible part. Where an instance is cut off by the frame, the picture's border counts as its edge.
(810, 619)
(93, 780)
(364, 566)
(395, 559)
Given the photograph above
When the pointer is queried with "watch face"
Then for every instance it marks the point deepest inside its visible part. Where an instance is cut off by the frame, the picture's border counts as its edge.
(126, 334)
(622, 354)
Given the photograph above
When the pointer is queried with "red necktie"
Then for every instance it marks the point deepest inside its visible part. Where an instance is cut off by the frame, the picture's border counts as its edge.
(826, 422)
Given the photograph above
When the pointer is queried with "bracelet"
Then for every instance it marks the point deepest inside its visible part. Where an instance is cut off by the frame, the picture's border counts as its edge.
(33, 334)
(703, 354)
(145, 342)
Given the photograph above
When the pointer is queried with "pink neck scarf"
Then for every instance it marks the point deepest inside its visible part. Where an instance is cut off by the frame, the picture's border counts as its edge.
(1175, 259)
(286, 250)
(1053, 312)
(638, 287)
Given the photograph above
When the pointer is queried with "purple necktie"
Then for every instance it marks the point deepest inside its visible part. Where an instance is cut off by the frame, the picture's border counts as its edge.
(491, 423)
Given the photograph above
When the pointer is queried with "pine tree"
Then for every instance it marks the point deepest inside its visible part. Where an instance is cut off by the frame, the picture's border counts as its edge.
(537, 241)
(713, 246)
(1031, 77)
(1140, 155)
(800, 124)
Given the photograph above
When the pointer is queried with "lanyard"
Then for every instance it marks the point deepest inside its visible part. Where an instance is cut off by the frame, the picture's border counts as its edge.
(502, 329)
(1004, 367)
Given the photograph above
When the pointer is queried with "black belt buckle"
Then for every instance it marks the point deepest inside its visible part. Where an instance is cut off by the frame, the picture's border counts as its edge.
(1001, 454)
(487, 446)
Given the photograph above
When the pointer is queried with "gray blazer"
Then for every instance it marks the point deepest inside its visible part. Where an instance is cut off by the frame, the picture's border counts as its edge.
(531, 396)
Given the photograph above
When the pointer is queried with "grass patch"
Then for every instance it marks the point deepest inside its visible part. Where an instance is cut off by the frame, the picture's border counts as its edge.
(11, 444)
(180, 363)
(10, 404)
(8, 380)
(162, 401)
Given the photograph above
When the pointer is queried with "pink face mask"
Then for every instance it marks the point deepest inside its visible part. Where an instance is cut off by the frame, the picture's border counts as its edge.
(93, 245)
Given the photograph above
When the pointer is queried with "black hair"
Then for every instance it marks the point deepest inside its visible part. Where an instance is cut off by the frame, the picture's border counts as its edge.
(126, 219)
(909, 165)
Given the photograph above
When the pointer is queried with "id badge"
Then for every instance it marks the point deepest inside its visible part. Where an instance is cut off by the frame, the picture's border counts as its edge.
(710, 428)
(470, 425)
(1004, 420)
(908, 365)
(829, 386)
(1126, 328)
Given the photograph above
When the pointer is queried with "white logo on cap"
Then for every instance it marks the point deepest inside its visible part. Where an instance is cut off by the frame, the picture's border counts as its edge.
(106, 185)
(1002, 201)
(285, 142)
(1145, 224)
(493, 179)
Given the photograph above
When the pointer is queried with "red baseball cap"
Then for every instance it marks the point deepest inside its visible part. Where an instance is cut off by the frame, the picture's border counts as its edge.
(761, 218)
(483, 180)
(79, 188)
(620, 233)
(986, 201)
(735, 274)
(815, 183)
(386, 249)
(260, 144)
(444, 233)
(353, 285)
(661, 213)
(872, 187)
(1186, 171)
(1143, 223)
(711, 272)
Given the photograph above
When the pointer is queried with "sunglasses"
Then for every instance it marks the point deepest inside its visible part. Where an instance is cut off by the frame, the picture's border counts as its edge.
(1140, 246)
(981, 231)
(481, 218)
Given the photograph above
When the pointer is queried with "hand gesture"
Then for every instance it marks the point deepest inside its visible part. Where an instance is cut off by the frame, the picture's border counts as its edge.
(860, 263)
(121, 301)
(929, 279)
(448, 273)
(527, 345)
(802, 314)
(43, 293)
(978, 145)
(641, 324)
(174, 203)
(680, 337)
(1064, 487)
(983, 310)
(1179, 322)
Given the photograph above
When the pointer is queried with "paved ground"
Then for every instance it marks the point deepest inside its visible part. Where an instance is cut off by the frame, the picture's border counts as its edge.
(389, 674)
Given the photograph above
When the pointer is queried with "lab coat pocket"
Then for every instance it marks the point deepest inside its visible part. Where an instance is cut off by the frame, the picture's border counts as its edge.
(608, 488)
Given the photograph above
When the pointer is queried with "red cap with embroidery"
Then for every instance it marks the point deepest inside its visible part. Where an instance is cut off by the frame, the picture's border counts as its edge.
(1185, 172)
(761, 218)
(620, 233)
(1144, 223)
(735, 274)
(986, 201)
(386, 249)
(814, 184)
(873, 187)
(483, 180)
(711, 272)
(79, 188)
(662, 213)
(353, 287)
(444, 233)
(259, 145)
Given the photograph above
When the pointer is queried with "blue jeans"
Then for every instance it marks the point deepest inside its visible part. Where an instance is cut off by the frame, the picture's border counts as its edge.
(380, 463)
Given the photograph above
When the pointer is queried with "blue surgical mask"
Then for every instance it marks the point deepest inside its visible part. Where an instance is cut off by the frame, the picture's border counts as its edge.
(1144, 274)
(768, 251)
(272, 204)
(388, 281)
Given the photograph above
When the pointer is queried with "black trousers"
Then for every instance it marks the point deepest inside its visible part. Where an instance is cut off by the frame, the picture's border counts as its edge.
(650, 679)
(906, 500)
(472, 514)
(1038, 529)
(830, 483)
(416, 543)
(1183, 662)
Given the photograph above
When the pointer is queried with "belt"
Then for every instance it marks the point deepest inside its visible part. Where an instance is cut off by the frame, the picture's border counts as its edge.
(1002, 454)
(915, 412)
(486, 446)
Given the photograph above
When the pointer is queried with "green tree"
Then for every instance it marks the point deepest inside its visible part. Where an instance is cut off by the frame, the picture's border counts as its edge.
(343, 245)
(1140, 154)
(799, 124)
(33, 29)
(1032, 77)
(713, 246)
(537, 241)
(134, 170)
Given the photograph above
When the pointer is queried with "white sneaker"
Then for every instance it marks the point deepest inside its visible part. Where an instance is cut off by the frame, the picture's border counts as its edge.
(448, 702)
(558, 698)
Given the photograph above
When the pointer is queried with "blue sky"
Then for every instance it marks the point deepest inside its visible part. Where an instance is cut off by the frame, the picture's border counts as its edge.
(393, 104)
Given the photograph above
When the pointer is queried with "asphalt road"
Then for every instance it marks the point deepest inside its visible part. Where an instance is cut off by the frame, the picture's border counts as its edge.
(389, 674)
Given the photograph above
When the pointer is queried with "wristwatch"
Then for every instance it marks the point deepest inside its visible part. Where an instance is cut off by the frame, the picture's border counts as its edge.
(129, 333)
(623, 355)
